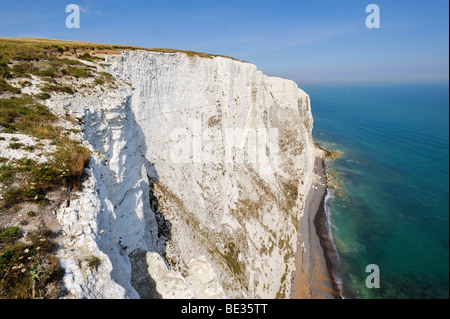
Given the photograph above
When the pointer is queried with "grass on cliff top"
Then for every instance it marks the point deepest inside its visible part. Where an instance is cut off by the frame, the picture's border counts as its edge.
(23, 114)
(35, 45)
(54, 62)
(28, 266)
(66, 167)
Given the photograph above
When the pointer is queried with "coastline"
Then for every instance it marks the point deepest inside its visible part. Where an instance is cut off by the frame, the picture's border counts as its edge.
(316, 259)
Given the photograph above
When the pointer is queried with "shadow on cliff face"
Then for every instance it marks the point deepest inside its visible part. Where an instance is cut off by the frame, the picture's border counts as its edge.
(140, 277)
(164, 226)
(131, 219)
(141, 280)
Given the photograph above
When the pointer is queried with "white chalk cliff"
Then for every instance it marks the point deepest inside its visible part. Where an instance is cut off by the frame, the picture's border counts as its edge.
(200, 168)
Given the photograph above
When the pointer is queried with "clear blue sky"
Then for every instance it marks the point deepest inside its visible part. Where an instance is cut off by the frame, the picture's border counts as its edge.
(304, 40)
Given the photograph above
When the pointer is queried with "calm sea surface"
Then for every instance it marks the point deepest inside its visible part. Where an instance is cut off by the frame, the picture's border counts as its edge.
(393, 208)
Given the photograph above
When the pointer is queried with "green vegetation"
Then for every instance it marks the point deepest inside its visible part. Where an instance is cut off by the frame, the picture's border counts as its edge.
(283, 278)
(57, 88)
(28, 268)
(6, 172)
(90, 58)
(59, 47)
(103, 78)
(29, 148)
(5, 87)
(43, 96)
(282, 291)
(77, 72)
(36, 179)
(50, 61)
(87, 57)
(10, 235)
(23, 115)
(66, 167)
(15, 146)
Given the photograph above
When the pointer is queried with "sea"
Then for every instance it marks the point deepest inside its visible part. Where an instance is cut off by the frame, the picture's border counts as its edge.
(390, 207)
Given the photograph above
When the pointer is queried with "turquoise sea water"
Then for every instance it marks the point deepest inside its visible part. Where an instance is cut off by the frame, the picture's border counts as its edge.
(395, 172)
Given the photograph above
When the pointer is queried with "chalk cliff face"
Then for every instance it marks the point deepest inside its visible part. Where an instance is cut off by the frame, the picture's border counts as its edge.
(198, 179)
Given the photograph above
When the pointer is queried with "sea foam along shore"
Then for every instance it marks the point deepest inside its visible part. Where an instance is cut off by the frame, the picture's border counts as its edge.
(317, 263)
(322, 225)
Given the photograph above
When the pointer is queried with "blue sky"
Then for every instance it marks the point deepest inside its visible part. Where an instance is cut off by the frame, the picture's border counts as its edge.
(304, 40)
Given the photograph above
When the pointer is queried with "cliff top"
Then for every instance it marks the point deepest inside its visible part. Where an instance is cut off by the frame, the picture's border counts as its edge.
(55, 47)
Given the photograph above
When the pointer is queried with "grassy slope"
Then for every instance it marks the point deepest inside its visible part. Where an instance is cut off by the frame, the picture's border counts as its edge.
(28, 267)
